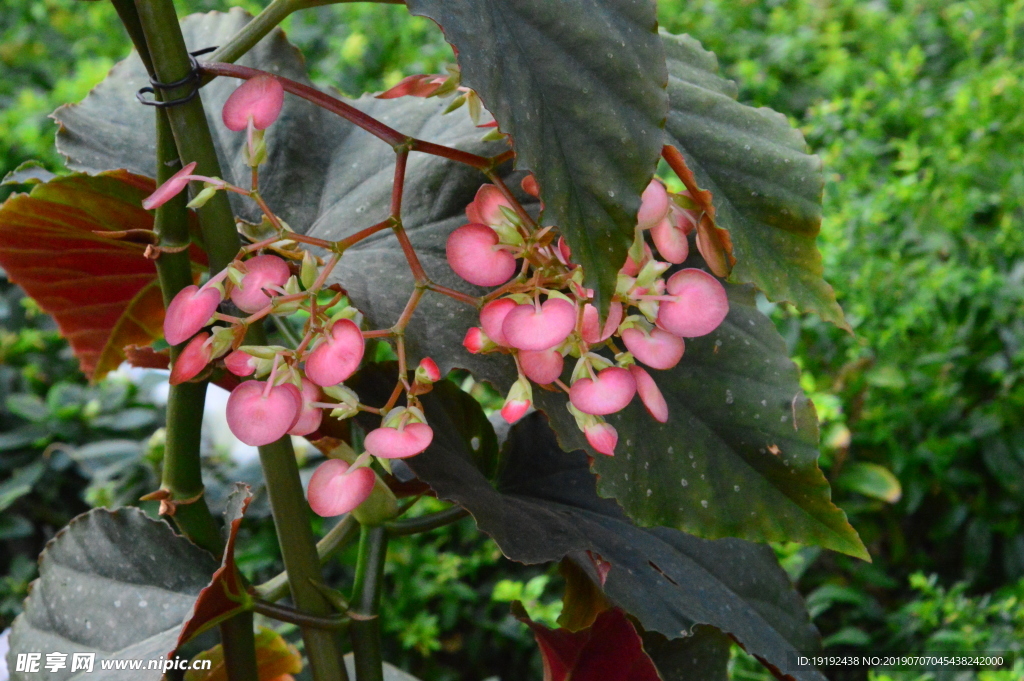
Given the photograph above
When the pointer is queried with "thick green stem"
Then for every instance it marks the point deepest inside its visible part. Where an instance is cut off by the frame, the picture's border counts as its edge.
(365, 630)
(182, 472)
(276, 588)
(188, 123)
(298, 548)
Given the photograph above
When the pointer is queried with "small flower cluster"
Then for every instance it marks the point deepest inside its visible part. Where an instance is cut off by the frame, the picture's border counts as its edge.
(544, 314)
(540, 313)
(289, 388)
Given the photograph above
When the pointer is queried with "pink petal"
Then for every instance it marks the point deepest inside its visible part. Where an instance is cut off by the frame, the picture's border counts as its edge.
(189, 311)
(169, 189)
(240, 363)
(492, 316)
(611, 323)
(541, 366)
(671, 242)
(659, 350)
(309, 416)
(486, 207)
(476, 341)
(334, 489)
(611, 392)
(338, 355)
(650, 395)
(259, 98)
(261, 272)
(430, 369)
(392, 443)
(602, 437)
(653, 205)
(700, 307)
(513, 410)
(472, 255)
(530, 186)
(258, 420)
(527, 329)
(192, 360)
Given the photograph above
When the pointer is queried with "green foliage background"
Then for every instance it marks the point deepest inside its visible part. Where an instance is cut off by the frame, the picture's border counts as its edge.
(915, 106)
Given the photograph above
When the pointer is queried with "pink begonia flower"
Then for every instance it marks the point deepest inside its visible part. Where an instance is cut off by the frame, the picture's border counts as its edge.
(700, 306)
(541, 366)
(399, 443)
(602, 437)
(476, 341)
(527, 328)
(241, 363)
(486, 206)
(590, 332)
(193, 359)
(189, 311)
(427, 371)
(262, 273)
(337, 356)
(309, 415)
(334, 489)
(492, 316)
(650, 395)
(611, 392)
(258, 416)
(259, 99)
(169, 189)
(658, 349)
(474, 254)
(653, 205)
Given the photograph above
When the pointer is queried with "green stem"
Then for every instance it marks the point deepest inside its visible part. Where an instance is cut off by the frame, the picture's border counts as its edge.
(182, 466)
(264, 22)
(365, 630)
(426, 523)
(338, 538)
(298, 549)
(283, 613)
(188, 123)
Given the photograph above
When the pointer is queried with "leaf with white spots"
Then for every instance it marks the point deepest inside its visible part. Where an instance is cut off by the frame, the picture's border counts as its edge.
(115, 583)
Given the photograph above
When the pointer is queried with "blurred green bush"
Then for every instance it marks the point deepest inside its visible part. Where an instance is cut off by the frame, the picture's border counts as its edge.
(916, 109)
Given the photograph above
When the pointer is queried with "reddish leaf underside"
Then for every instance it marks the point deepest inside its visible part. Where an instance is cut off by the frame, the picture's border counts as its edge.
(609, 650)
(102, 293)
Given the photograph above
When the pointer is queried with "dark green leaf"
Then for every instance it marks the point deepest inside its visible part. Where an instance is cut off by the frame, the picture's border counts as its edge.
(704, 655)
(579, 85)
(738, 456)
(28, 406)
(766, 189)
(546, 507)
(21, 483)
(22, 436)
(117, 584)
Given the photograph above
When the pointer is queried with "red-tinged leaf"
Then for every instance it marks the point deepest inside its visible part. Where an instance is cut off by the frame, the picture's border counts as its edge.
(102, 292)
(224, 595)
(609, 650)
(146, 357)
(421, 85)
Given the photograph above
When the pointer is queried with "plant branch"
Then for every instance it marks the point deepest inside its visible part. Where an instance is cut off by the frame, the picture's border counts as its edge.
(365, 629)
(338, 538)
(426, 523)
(355, 116)
(283, 613)
(264, 22)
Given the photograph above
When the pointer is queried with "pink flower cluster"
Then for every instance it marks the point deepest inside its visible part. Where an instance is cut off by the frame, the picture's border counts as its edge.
(543, 314)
